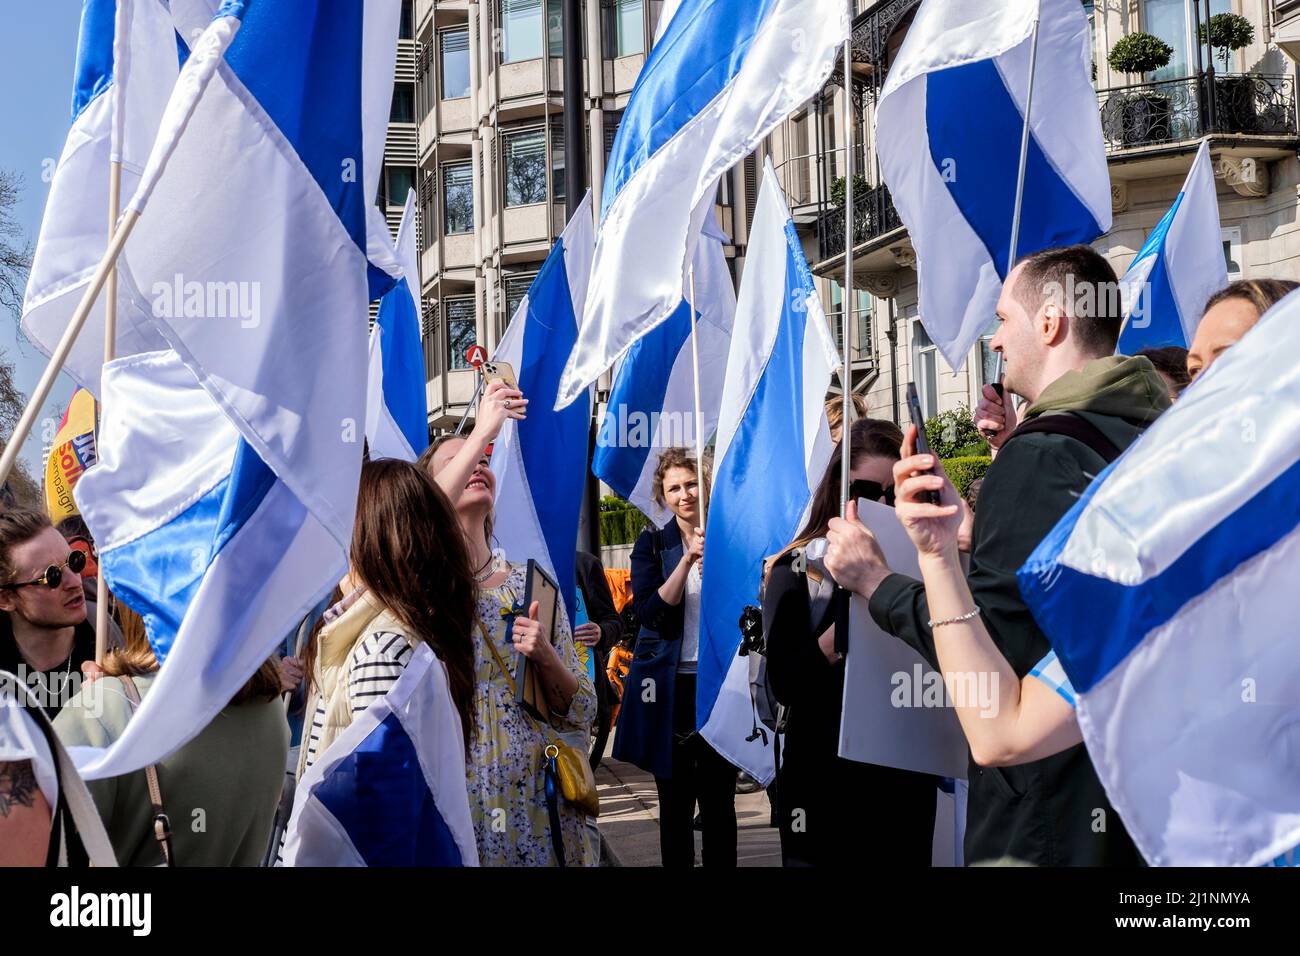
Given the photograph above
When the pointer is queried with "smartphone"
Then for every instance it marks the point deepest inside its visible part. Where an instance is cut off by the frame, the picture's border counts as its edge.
(500, 372)
(922, 446)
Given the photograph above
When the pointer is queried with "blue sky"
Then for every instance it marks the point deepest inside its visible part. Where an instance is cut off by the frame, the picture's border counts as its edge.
(38, 48)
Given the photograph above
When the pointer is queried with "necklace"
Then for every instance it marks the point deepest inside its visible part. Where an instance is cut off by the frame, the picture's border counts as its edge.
(489, 568)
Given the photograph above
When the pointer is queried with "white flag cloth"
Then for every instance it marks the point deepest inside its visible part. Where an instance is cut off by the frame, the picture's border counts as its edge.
(773, 448)
(540, 463)
(721, 76)
(397, 411)
(1168, 595)
(652, 402)
(224, 498)
(1178, 268)
(949, 127)
(119, 93)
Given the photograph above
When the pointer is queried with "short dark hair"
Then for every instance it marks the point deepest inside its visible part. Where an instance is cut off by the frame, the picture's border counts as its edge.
(1087, 288)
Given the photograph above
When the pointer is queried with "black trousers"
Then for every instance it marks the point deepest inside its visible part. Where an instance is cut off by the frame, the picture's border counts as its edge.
(700, 774)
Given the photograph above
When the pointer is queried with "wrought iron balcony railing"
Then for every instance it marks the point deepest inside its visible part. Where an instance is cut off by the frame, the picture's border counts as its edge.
(1169, 111)
(874, 215)
(1144, 114)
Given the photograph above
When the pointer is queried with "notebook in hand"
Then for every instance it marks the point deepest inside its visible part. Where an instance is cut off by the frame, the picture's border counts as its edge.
(529, 692)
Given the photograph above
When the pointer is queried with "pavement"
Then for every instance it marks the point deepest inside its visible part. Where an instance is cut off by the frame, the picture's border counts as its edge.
(629, 820)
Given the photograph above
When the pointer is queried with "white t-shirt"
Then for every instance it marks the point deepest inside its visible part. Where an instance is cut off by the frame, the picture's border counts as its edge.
(688, 662)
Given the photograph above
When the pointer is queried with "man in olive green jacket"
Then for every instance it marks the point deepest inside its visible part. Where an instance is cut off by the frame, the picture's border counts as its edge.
(1059, 321)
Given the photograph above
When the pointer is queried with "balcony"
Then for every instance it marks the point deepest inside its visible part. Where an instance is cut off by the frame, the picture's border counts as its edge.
(1175, 111)
(874, 216)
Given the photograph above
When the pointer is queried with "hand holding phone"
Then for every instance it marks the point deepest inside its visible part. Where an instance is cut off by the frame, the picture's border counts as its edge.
(922, 445)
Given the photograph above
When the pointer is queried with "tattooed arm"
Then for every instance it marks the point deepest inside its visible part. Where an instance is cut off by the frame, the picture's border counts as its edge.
(24, 816)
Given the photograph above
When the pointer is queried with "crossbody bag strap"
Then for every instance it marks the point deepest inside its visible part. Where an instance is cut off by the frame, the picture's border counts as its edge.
(551, 782)
(162, 828)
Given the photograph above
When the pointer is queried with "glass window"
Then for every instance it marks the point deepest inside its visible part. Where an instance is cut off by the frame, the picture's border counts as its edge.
(1232, 251)
(428, 214)
(861, 316)
(521, 28)
(458, 198)
(524, 157)
(555, 27)
(455, 63)
(624, 27)
(403, 110)
(462, 331)
(925, 370)
(1174, 21)
(516, 289)
(557, 164)
(401, 180)
(407, 29)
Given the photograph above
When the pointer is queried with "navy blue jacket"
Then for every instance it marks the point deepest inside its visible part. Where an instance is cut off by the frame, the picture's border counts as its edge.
(645, 721)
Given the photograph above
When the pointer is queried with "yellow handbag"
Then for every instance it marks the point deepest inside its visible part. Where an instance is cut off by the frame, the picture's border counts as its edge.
(577, 782)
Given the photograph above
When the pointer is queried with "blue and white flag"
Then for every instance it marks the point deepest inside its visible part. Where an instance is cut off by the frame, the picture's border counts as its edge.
(1178, 268)
(652, 403)
(397, 413)
(540, 463)
(721, 77)
(774, 445)
(108, 123)
(224, 498)
(1168, 595)
(390, 790)
(949, 127)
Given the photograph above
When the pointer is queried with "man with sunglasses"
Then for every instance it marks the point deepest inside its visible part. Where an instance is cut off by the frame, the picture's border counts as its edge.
(44, 634)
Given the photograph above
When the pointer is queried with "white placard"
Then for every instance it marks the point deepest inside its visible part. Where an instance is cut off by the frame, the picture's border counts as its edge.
(887, 684)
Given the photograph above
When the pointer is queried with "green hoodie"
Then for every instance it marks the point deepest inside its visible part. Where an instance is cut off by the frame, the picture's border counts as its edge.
(1117, 386)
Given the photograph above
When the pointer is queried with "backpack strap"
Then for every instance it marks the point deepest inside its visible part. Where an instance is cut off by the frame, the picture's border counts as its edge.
(1071, 426)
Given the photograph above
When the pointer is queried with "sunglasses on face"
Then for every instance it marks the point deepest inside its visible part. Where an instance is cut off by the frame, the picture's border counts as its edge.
(871, 490)
(53, 575)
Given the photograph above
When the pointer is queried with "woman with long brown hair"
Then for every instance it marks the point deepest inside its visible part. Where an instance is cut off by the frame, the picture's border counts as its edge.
(505, 770)
(408, 582)
(807, 677)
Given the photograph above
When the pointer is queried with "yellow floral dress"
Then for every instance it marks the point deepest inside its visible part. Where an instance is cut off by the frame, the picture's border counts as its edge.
(507, 788)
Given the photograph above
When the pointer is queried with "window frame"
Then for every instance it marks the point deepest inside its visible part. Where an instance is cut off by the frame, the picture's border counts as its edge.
(442, 60)
(505, 137)
(456, 360)
(927, 392)
(442, 192)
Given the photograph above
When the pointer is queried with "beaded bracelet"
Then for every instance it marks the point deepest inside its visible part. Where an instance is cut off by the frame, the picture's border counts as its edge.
(953, 620)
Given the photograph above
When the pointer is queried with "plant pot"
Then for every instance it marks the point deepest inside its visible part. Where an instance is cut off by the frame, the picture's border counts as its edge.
(1235, 107)
(1142, 117)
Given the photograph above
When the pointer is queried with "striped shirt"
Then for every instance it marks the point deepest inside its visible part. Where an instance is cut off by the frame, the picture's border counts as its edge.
(376, 662)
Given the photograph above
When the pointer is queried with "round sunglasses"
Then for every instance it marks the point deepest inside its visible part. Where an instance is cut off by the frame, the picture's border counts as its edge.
(53, 575)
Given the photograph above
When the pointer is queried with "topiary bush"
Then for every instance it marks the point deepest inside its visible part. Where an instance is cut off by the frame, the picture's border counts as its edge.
(966, 469)
(860, 190)
(1139, 53)
(952, 434)
(1228, 32)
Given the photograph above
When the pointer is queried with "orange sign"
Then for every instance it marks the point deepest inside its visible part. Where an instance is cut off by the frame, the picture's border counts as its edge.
(72, 453)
